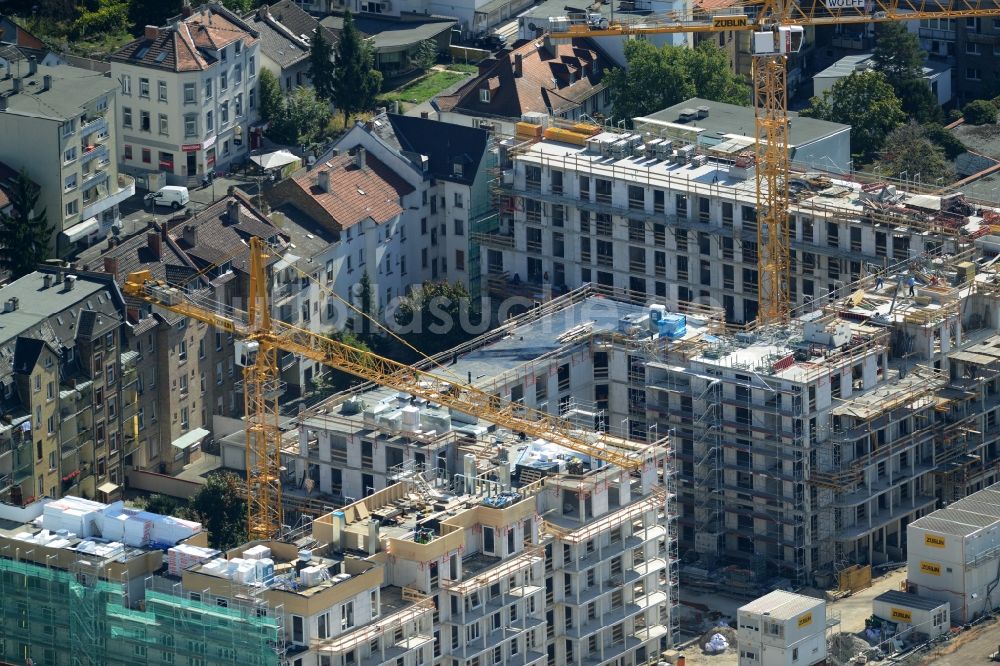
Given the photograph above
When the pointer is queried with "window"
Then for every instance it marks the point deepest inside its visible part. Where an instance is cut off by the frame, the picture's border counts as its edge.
(208, 88)
(70, 183)
(128, 151)
(238, 106)
(225, 147)
(484, 95)
(147, 156)
(144, 88)
(459, 260)
(72, 208)
(972, 73)
(182, 351)
(458, 200)
(190, 125)
(185, 418)
(252, 99)
(126, 117)
(144, 123)
(163, 124)
(298, 629)
(69, 127)
(190, 94)
(209, 122)
(252, 66)
(224, 80)
(972, 48)
(161, 91)
(69, 155)
(459, 227)
(126, 83)
(224, 114)
(237, 75)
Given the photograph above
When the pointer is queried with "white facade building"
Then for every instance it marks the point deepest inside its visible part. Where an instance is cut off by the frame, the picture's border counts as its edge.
(187, 96)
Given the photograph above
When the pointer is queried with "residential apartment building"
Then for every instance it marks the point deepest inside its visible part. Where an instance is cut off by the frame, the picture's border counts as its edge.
(67, 388)
(286, 32)
(59, 123)
(394, 199)
(187, 96)
(968, 45)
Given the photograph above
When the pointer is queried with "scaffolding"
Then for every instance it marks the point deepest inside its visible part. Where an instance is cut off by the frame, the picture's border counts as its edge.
(75, 617)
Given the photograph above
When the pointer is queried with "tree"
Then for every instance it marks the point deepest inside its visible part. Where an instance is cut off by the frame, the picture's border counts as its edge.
(365, 296)
(951, 144)
(433, 317)
(25, 232)
(151, 12)
(302, 120)
(271, 100)
(908, 148)
(356, 83)
(426, 54)
(656, 78)
(897, 53)
(221, 509)
(980, 112)
(321, 69)
(333, 380)
(866, 102)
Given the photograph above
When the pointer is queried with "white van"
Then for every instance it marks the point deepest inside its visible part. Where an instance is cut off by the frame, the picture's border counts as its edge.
(174, 196)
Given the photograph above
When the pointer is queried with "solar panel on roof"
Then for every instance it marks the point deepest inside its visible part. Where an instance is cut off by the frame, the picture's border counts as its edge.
(161, 56)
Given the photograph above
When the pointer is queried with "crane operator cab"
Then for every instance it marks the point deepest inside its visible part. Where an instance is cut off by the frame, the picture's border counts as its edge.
(780, 41)
(246, 352)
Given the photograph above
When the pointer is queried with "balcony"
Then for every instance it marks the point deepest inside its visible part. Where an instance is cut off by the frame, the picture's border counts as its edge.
(95, 176)
(99, 204)
(94, 151)
(99, 123)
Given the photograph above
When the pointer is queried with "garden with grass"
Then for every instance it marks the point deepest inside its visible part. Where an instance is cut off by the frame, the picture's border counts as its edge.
(422, 89)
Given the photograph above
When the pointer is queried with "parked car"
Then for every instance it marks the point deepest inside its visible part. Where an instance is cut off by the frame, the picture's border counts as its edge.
(174, 196)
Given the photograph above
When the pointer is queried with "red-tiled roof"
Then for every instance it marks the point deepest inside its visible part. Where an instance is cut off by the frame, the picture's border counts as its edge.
(187, 45)
(356, 194)
(553, 78)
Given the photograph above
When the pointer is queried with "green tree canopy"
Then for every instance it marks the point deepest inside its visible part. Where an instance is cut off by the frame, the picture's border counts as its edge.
(321, 69)
(151, 12)
(221, 509)
(951, 144)
(908, 148)
(432, 318)
(303, 118)
(897, 55)
(866, 102)
(980, 112)
(365, 296)
(426, 54)
(357, 82)
(660, 77)
(271, 100)
(25, 233)
(333, 380)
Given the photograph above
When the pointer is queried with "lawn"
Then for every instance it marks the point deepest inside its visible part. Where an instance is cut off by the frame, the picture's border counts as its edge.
(422, 89)
(463, 67)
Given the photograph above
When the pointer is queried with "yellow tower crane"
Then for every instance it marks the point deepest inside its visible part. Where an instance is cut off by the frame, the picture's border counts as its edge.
(776, 28)
(260, 338)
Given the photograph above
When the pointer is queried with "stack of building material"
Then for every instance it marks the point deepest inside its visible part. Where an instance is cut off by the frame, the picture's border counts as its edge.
(182, 556)
(75, 515)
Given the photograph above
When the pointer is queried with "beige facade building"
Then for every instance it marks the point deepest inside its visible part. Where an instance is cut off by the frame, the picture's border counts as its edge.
(59, 124)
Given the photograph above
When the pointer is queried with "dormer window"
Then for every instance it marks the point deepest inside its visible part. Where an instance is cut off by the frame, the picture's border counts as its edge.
(222, 55)
(484, 95)
(238, 47)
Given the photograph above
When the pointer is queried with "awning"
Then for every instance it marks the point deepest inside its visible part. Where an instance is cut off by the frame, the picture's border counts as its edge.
(274, 160)
(189, 439)
(82, 230)
(107, 487)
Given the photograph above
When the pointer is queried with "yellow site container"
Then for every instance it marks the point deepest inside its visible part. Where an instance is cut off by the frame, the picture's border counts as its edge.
(588, 129)
(528, 131)
(566, 136)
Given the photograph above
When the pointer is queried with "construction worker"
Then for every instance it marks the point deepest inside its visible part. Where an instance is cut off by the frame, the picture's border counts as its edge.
(911, 282)
(879, 281)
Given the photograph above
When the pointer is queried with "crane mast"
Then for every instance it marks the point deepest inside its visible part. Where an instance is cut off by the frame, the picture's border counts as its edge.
(261, 337)
(776, 31)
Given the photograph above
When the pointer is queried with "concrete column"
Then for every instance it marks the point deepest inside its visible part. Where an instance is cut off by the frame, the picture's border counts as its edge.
(945, 333)
(869, 372)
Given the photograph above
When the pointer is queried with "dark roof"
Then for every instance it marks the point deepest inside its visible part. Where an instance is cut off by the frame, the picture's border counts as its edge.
(26, 353)
(281, 27)
(218, 239)
(554, 79)
(909, 600)
(444, 144)
(188, 44)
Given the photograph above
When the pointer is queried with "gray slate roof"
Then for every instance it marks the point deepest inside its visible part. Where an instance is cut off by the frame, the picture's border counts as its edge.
(72, 89)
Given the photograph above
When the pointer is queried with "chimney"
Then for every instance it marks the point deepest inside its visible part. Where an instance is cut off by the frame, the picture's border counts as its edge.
(32, 65)
(46, 82)
(3, 102)
(359, 158)
(155, 245)
(191, 235)
(17, 84)
(46, 281)
(151, 32)
(233, 211)
(323, 180)
(425, 115)
(58, 279)
(111, 266)
(518, 64)
(70, 282)
(186, 9)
